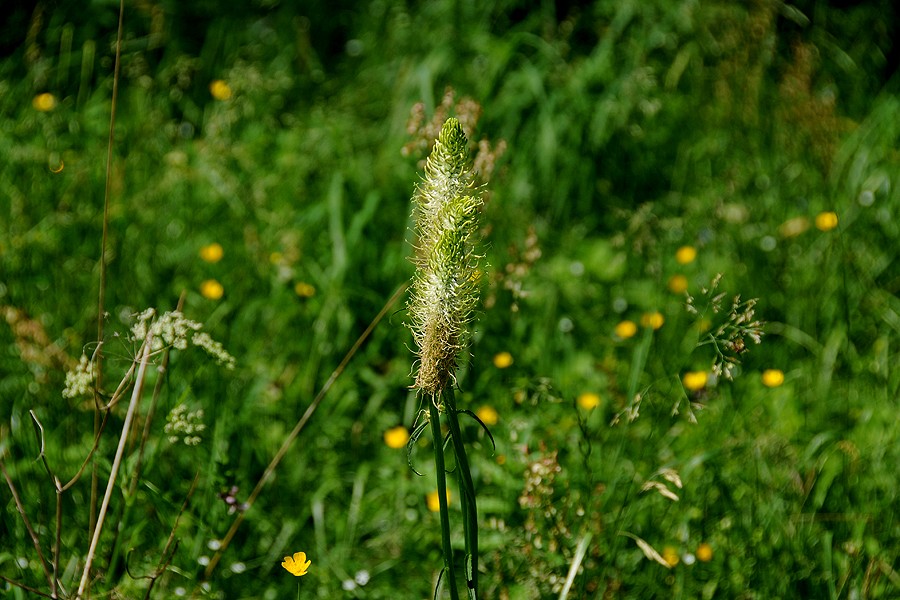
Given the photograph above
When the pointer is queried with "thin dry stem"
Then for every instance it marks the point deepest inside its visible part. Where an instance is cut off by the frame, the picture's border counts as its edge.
(144, 355)
(31, 531)
(101, 296)
(57, 545)
(25, 587)
(145, 434)
(115, 398)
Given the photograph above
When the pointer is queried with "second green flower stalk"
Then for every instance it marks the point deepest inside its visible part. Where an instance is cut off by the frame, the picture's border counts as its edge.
(441, 308)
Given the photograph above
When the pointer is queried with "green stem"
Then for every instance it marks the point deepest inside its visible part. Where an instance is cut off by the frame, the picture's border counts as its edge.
(467, 492)
(435, 419)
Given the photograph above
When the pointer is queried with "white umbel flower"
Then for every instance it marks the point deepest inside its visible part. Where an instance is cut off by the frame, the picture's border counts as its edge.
(80, 380)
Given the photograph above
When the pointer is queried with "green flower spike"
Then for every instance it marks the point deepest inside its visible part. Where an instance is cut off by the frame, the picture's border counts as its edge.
(441, 306)
(444, 288)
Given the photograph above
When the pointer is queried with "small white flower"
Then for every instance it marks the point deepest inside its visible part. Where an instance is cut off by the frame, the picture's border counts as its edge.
(238, 567)
(184, 425)
(80, 381)
(362, 577)
(203, 340)
(173, 329)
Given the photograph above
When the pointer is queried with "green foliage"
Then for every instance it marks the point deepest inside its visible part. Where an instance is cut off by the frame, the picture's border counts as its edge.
(631, 129)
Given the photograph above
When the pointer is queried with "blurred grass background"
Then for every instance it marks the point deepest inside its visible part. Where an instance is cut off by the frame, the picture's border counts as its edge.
(611, 134)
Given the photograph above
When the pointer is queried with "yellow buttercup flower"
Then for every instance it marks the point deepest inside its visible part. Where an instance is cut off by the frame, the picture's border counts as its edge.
(678, 284)
(704, 552)
(488, 415)
(396, 437)
(304, 290)
(588, 400)
(212, 253)
(212, 289)
(826, 221)
(653, 319)
(503, 360)
(434, 501)
(626, 329)
(670, 555)
(297, 564)
(695, 380)
(685, 255)
(772, 377)
(220, 90)
(44, 102)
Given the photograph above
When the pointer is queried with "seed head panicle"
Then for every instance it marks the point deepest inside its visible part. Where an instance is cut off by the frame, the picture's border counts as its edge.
(444, 287)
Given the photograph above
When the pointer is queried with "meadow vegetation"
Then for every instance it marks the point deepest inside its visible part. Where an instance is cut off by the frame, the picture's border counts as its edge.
(686, 343)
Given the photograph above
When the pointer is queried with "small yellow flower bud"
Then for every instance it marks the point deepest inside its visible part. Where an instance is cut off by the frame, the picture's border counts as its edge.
(212, 253)
(626, 329)
(396, 437)
(704, 552)
(488, 415)
(503, 360)
(826, 221)
(304, 290)
(220, 90)
(654, 320)
(670, 555)
(772, 377)
(678, 284)
(685, 255)
(212, 289)
(589, 400)
(695, 381)
(44, 102)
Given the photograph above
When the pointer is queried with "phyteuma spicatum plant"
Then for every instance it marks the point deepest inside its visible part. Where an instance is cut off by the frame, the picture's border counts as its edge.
(444, 288)
(441, 308)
